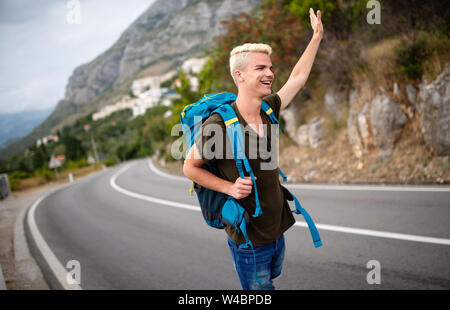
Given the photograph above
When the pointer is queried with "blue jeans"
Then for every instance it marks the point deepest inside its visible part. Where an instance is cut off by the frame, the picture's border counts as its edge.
(269, 260)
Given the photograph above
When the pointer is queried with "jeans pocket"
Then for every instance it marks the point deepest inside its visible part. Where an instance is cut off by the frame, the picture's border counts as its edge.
(246, 250)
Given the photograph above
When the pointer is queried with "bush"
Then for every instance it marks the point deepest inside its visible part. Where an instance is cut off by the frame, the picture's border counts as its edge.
(111, 161)
(14, 181)
(301, 8)
(410, 57)
(47, 174)
(20, 175)
(72, 165)
(21, 179)
(129, 151)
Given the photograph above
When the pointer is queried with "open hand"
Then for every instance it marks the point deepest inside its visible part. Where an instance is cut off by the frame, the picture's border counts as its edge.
(316, 23)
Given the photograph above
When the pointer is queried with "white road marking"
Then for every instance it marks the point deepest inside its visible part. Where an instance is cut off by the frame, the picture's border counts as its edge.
(122, 190)
(350, 230)
(376, 233)
(52, 261)
(381, 188)
(57, 268)
(152, 167)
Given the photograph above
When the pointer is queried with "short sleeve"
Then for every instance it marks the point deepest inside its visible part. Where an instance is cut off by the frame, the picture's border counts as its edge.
(211, 140)
(274, 101)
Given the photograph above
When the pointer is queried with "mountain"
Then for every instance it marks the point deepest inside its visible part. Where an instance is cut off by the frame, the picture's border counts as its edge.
(166, 34)
(169, 32)
(14, 126)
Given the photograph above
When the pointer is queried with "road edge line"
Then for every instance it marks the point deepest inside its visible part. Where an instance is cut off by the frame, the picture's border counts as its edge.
(112, 182)
(59, 272)
(342, 229)
(386, 188)
(155, 169)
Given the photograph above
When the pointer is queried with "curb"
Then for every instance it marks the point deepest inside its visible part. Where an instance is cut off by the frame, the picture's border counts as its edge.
(24, 261)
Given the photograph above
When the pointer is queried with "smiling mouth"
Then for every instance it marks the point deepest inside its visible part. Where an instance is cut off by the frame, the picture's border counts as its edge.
(266, 83)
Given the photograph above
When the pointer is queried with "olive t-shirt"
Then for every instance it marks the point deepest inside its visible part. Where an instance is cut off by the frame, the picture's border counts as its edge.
(216, 149)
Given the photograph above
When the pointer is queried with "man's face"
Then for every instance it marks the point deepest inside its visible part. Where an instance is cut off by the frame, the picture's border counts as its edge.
(258, 76)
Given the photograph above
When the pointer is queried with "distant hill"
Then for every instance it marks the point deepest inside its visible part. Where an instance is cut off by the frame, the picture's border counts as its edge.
(165, 35)
(14, 126)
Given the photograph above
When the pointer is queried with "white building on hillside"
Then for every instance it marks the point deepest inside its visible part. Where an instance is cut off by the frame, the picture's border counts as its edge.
(149, 92)
(193, 65)
(148, 100)
(125, 103)
(150, 82)
(46, 140)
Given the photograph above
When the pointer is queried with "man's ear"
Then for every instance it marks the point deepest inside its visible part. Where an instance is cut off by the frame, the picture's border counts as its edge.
(239, 76)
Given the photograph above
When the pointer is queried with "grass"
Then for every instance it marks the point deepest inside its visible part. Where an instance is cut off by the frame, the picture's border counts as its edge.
(379, 60)
(32, 183)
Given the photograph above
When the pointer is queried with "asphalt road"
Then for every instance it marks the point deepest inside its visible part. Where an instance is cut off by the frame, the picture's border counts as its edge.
(131, 228)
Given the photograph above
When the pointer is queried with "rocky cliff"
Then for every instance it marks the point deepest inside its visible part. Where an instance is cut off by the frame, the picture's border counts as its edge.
(169, 32)
(400, 135)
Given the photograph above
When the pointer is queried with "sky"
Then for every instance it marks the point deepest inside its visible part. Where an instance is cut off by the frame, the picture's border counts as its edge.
(42, 42)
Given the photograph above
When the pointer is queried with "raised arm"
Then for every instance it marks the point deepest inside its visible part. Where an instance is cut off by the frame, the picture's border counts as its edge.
(300, 73)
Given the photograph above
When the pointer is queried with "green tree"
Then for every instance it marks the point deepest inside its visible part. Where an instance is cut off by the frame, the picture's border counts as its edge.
(340, 17)
(187, 96)
(40, 157)
(208, 83)
(301, 8)
(410, 58)
(184, 89)
(74, 147)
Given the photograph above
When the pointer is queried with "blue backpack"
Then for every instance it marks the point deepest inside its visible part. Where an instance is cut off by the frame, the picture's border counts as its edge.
(219, 209)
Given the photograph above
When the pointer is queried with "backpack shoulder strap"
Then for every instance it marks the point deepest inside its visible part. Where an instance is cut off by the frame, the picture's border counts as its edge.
(268, 110)
(236, 138)
(232, 127)
(299, 210)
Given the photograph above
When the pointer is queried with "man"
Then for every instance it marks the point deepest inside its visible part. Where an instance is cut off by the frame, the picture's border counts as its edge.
(251, 69)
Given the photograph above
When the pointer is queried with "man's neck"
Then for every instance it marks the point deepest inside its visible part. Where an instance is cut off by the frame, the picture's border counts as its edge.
(249, 106)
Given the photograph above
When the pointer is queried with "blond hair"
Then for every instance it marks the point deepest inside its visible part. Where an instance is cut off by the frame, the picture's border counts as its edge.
(239, 55)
